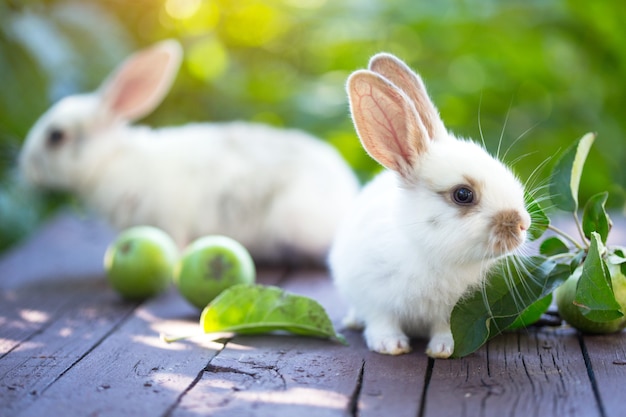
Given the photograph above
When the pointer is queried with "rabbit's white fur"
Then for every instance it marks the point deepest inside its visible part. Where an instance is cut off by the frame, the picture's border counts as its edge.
(407, 252)
(280, 192)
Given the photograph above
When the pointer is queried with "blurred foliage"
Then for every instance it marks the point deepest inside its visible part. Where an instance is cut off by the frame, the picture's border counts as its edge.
(544, 70)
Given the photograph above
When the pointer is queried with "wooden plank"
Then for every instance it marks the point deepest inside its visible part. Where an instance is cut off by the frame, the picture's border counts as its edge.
(66, 253)
(67, 248)
(533, 373)
(276, 376)
(132, 372)
(50, 289)
(24, 314)
(393, 385)
(606, 355)
(389, 385)
(38, 362)
(288, 376)
(280, 375)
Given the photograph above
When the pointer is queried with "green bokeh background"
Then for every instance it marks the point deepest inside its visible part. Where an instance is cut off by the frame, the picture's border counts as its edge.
(547, 71)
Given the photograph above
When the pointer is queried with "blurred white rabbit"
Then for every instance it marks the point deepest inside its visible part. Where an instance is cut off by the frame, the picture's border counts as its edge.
(428, 228)
(281, 193)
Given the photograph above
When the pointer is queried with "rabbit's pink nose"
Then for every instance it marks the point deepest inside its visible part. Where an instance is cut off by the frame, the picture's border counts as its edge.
(524, 222)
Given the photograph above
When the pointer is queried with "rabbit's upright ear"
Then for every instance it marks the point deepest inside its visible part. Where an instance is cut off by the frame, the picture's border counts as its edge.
(411, 84)
(139, 84)
(387, 122)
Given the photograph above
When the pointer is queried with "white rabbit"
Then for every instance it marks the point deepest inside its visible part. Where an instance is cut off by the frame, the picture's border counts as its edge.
(428, 228)
(281, 193)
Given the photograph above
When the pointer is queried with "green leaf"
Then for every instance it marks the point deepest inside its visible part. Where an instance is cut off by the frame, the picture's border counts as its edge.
(532, 314)
(513, 285)
(553, 246)
(470, 323)
(595, 218)
(539, 220)
(256, 309)
(594, 292)
(619, 252)
(618, 257)
(566, 174)
(577, 260)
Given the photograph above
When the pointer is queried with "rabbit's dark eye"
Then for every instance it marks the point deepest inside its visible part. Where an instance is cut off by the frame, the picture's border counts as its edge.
(463, 195)
(55, 137)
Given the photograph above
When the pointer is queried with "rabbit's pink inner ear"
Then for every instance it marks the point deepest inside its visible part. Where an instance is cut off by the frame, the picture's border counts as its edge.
(412, 85)
(140, 83)
(386, 121)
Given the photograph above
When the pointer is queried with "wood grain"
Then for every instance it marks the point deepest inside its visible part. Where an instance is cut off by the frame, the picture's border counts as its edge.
(393, 385)
(388, 385)
(276, 376)
(132, 372)
(84, 318)
(281, 375)
(530, 373)
(606, 356)
(67, 249)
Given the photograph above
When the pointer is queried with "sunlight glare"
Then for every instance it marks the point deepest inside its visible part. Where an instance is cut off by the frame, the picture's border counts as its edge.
(156, 342)
(306, 4)
(66, 332)
(255, 23)
(182, 9)
(207, 59)
(302, 396)
(34, 316)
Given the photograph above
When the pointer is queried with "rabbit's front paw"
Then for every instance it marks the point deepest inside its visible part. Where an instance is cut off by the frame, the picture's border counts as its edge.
(441, 346)
(388, 343)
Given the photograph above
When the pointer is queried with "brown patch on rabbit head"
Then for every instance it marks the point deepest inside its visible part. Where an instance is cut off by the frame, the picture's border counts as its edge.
(508, 231)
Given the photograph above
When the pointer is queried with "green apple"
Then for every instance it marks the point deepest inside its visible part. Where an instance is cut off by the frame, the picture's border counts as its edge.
(566, 293)
(210, 265)
(140, 262)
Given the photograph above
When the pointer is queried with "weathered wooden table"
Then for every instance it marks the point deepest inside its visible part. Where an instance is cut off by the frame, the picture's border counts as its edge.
(70, 347)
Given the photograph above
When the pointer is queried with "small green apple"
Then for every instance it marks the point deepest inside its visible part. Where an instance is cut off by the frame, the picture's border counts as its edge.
(210, 265)
(140, 262)
(566, 293)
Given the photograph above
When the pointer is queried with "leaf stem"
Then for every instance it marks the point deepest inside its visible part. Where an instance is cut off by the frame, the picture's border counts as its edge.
(580, 230)
(565, 236)
(560, 256)
(171, 339)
